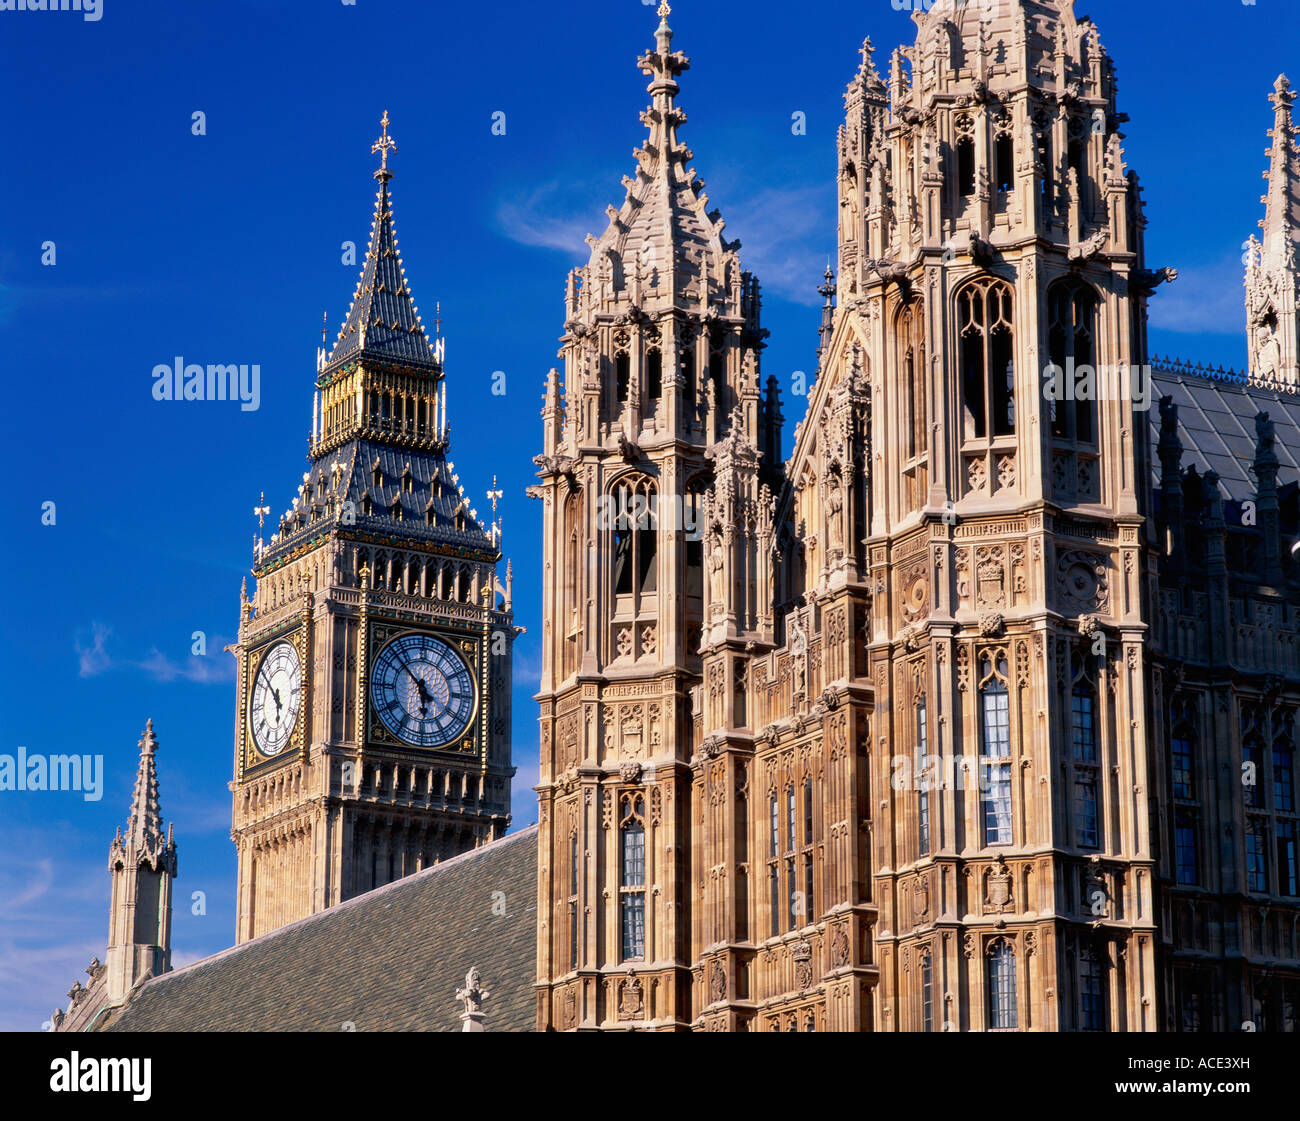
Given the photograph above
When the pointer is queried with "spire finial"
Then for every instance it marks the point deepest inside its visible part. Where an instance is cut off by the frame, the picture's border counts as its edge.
(664, 10)
(383, 146)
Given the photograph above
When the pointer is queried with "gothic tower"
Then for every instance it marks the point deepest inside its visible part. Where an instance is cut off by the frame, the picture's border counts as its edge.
(143, 865)
(373, 705)
(660, 401)
(991, 312)
(1272, 283)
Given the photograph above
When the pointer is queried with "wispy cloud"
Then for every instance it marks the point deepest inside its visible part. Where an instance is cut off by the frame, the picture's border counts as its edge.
(1206, 299)
(94, 659)
(549, 217)
(785, 230)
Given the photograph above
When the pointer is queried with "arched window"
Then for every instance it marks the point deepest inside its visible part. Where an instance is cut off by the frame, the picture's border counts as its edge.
(1003, 1015)
(910, 332)
(1071, 331)
(1083, 739)
(654, 375)
(631, 884)
(622, 376)
(923, 782)
(686, 364)
(927, 992)
(984, 314)
(1092, 991)
(965, 152)
(635, 538)
(1004, 164)
(995, 748)
(1182, 763)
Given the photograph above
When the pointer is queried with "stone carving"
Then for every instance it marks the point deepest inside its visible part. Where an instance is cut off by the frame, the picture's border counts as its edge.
(717, 983)
(997, 888)
(630, 1005)
(839, 948)
(803, 972)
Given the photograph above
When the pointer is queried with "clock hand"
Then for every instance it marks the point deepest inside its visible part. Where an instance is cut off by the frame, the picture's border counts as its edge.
(275, 694)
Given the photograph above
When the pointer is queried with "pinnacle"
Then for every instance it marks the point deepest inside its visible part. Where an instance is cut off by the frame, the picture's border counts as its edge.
(383, 320)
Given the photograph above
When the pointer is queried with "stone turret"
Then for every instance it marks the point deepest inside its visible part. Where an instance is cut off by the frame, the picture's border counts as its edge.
(143, 865)
(1272, 292)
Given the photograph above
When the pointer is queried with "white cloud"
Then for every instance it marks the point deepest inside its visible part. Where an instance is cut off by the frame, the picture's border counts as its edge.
(206, 669)
(545, 218)
(1206, 299)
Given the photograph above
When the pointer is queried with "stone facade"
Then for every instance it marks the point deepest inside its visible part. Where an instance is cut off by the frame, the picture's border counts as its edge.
(891, 735)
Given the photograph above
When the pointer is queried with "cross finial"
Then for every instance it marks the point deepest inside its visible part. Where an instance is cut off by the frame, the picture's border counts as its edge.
(494, 495)
(261, 509)
(664, 10)
(324, 323)
(383, 146)
(437, 317)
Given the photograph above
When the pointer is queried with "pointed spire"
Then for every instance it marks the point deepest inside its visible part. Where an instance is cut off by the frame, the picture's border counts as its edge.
(144, 828)
(383, 321)
(1281, 223)
(827, 291)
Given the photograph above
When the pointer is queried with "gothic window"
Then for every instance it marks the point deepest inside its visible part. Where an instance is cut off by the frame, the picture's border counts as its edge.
(922, 782)
(1083, 732)
(1288, 875)
(622, 376)
(718, 374)
(654, 375)
(635, 541)
(376, 474)
(1092, 991)
(1283, 764)
(573, 900)
(984, 313)
(911, 344)
(1004, 164)
(1002, 986)
(408, 480)
(1071, 335)
(1043, 158)
(687, 366)
(1256, 855)
(927, 993)
(1182, 763)
(965, 162)
(570, 585)
(692, 529)
(995, 747)
(773, 867)
(1252, 755)
(631, 884)
(1185, 861)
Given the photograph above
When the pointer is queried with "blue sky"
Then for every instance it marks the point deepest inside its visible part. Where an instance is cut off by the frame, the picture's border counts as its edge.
(227, 248)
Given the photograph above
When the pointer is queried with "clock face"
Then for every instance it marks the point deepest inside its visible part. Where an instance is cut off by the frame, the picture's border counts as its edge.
(422, 690)
(277, 695)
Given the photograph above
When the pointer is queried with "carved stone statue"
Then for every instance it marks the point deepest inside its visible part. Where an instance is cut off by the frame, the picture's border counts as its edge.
(835, 520)
(715, 568)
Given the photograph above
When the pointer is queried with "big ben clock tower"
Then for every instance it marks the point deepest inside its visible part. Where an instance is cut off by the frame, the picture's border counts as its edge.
(373, 706)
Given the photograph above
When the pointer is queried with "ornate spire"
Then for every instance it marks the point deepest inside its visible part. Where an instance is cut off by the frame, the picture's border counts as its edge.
(1281, 222)
(1271, 274)
(145, 827)
(383, 321)
(642, 257)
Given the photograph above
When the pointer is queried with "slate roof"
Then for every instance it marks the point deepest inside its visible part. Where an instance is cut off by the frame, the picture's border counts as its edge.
(354, 481)
(1216, 424)
(389, 960)
(383, 321)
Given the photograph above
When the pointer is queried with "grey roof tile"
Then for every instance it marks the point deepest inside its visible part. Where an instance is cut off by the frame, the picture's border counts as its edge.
(389, 960)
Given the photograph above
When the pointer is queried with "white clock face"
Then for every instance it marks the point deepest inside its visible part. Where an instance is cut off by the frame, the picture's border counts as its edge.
(277, 694)
(422, 690)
